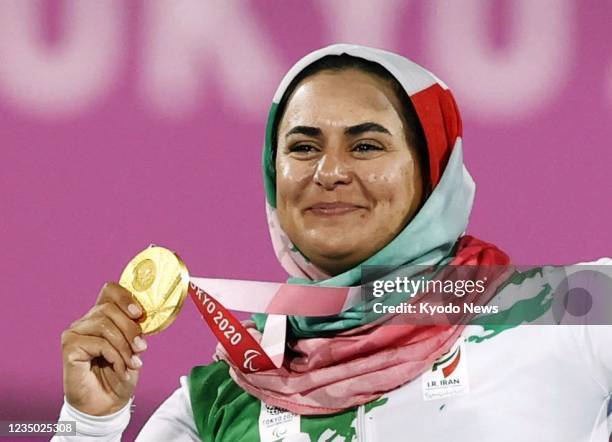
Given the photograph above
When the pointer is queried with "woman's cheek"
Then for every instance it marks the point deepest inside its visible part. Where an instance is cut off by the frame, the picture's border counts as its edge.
(392, 193)
(295, 172)
(383, 187)
(390, 171)
(292, 181)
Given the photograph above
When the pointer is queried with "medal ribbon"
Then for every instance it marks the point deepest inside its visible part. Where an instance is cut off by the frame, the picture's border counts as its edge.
(275, 299)
(243, 349)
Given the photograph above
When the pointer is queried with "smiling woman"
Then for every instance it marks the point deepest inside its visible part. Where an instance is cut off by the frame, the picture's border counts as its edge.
(363, 165)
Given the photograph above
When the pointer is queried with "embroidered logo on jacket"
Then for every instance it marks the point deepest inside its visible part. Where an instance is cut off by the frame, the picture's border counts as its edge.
(448, 375)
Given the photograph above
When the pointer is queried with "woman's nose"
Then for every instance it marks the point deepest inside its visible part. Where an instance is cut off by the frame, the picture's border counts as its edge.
(332, 170)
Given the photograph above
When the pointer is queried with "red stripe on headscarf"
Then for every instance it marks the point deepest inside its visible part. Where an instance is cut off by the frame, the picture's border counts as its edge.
(441, 123)
(474, 251)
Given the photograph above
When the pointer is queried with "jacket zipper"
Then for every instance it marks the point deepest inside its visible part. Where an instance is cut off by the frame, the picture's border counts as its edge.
(360, 424)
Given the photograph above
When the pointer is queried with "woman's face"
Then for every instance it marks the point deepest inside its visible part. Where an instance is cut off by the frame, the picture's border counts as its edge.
(347, 180)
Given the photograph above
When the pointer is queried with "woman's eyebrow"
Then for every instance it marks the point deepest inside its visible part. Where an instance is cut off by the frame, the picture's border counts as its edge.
(309, 131)
(358, 129)
(365, 127)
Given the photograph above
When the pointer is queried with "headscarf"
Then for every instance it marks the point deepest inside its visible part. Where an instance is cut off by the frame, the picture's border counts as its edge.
(433, 232)
(337, 362)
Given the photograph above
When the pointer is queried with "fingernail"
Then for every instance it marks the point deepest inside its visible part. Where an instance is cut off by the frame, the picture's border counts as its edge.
(134, 310)
(136, 361)
(139, 344)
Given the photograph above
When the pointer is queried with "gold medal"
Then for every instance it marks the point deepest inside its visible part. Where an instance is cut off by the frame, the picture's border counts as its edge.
(159, 280)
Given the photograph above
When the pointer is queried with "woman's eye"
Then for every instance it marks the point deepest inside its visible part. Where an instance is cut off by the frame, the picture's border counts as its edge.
(366, 147)
(306, 148)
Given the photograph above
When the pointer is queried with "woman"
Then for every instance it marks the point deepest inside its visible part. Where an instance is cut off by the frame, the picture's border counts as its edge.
(362, 166)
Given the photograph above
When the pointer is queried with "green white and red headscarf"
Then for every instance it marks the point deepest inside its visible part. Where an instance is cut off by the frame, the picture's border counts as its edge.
(433, 232)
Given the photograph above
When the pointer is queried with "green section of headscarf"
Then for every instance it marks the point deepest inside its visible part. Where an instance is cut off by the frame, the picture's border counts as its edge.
(269, 169)
(428, 239)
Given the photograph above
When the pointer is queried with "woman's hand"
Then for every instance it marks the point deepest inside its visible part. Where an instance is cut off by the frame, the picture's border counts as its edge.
(100, 353)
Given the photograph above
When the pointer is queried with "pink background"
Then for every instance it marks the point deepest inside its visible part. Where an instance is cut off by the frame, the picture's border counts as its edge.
(126, 123)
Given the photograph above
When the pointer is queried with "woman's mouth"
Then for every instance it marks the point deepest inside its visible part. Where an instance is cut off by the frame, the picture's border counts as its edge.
(333, 209)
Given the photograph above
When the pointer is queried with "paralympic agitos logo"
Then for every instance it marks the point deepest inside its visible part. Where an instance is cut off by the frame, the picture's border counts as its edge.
(249, 355)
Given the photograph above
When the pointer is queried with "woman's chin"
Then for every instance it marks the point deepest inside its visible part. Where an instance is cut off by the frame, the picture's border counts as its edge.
(331, 249)
(340, 237)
